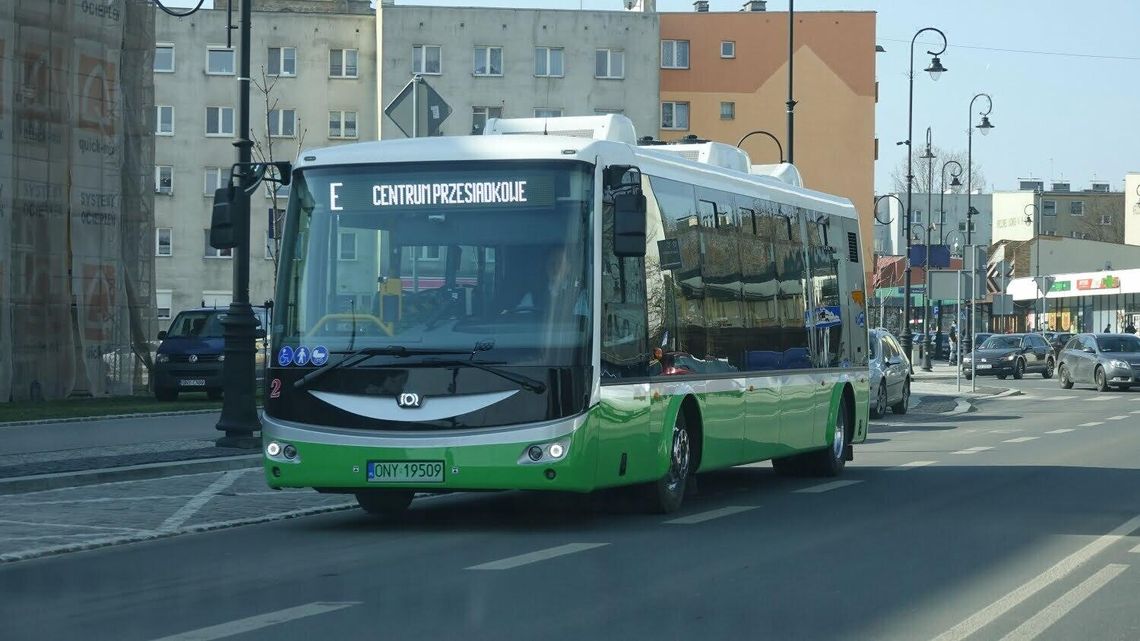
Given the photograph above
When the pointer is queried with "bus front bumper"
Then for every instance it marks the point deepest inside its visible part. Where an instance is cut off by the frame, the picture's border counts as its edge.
(343, 460)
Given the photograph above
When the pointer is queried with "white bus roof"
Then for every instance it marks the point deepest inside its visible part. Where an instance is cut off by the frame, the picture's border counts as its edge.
(766, 182)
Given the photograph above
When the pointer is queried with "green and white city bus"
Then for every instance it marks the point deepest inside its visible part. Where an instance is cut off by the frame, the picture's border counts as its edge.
(550, 306)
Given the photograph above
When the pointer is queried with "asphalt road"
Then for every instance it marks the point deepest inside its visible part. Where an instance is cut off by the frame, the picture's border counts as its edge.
(88, 435)
(1017, 521)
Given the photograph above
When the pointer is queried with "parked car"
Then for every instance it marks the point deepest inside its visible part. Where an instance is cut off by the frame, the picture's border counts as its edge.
(890, 374)
(1100, 359)
(190, 356)
(1014, 355)
(1058, 340)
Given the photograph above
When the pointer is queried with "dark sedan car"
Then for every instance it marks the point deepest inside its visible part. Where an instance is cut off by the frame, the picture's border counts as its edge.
(1010, 355)
(1058, 340)
(1100, 359)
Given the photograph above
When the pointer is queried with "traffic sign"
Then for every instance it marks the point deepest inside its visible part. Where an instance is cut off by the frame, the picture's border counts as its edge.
(418, 110)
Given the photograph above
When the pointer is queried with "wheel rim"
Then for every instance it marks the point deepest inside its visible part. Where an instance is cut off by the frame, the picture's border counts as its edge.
(881, 400)
(1100, 382)
(1049, 368)
(906, 395)
(679, 460)
(1064, 374)
(1020, 367)
(837, 442)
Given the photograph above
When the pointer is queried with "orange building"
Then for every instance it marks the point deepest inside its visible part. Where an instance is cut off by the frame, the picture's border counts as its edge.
(725, 74)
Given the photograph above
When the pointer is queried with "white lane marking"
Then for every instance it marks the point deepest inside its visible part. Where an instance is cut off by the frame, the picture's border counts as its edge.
(1117, 418)
(184, 513)
(1135, 550)
(1091, 424)
(1097, 399)
(911, 465)
(1063, 430)
(1135, 412)
(1021, 439)
(260, 621)
(74, 525)
(961, 406)
(826, 487)
(701, 517)
(535, 557)
(973, 450)
(1061, 569)
(1053, 612)
(1006, 430)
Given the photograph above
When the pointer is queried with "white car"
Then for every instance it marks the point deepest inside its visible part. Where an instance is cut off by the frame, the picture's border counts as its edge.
(890, 374)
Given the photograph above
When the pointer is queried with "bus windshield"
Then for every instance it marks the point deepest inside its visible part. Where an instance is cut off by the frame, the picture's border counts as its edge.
(441, 256)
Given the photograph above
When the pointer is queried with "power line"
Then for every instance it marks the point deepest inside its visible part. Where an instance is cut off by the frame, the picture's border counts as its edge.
(1029, 51)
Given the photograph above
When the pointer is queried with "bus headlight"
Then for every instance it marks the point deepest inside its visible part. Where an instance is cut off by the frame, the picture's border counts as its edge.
(273, 449)
(556, 450)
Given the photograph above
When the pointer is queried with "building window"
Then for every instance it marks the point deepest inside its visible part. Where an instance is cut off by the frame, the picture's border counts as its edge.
(216, 178)
(488, 61)
(727, 49)
(674, 54)
(163, 120)
(609, 63)
(674, 115)
(1049, 207)
(163, 244)
(480, 115)
(1106, 219)
(547, 112)
(1077, 208)
(548, 62)
(342, 124)
(164, 58)
(728, 111)
(426, 59)
(219, 61)
(342, 63)
(212, 252)
(428, 252)
(283, 61)
(282, 123)
(164, 179)
(962, 226)
(219, 121)
(346, 250)
(163, 301)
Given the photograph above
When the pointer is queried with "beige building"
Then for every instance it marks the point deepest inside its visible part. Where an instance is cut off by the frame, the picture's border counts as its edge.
(316, 59)
(1092, 214)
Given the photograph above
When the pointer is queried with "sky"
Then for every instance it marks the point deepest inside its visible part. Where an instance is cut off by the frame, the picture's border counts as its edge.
(1065, 80)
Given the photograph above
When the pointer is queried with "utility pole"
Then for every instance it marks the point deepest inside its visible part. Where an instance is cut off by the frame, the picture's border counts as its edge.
(239, 419)
(791, 102)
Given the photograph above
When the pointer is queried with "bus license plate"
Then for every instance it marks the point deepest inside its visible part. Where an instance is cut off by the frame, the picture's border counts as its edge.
(405, 471)
(192, 382)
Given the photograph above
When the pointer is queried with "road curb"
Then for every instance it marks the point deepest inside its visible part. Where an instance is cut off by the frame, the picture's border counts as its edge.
(55, 481)
(106, 417)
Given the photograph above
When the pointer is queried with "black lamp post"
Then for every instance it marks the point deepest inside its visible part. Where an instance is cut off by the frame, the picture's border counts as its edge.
(791, 104)
(779, 147)
(985, 128)
(942, 198)
(928, 156)
(885, 223)
(935, 70)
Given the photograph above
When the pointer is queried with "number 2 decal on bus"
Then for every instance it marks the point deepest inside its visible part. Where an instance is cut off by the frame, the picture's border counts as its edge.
(275, 388)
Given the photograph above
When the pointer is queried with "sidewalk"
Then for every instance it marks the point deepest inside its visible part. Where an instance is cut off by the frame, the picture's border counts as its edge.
(943, 380)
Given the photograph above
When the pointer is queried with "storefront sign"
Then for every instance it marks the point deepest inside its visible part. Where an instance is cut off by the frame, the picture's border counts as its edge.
(1106, 282)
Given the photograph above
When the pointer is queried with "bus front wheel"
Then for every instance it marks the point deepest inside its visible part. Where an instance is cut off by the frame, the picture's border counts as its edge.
(387, 503)
(666, 494)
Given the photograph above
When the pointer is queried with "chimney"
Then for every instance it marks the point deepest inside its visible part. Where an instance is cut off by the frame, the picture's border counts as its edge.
(701, 6)
(756, 5)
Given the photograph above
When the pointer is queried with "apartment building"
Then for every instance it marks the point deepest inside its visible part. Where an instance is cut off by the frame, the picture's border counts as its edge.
(313, 64)
(515, 63)
(1095, 213)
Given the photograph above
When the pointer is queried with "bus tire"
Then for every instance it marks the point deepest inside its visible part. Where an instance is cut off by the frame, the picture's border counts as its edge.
(667, 493)
(830, 461)
(386, 503)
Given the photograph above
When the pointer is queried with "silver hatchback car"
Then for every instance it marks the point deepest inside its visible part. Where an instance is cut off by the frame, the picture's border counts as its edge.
(890, 374)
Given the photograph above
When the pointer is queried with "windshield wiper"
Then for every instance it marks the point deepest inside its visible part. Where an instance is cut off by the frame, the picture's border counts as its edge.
(523, 381)
(357, 357)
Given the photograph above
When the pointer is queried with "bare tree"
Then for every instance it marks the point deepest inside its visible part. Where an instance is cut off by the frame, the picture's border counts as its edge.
(265, 152)
(922, 171)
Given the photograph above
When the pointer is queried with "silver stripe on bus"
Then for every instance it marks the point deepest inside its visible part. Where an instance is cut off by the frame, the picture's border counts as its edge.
(273, 428)
(385, 408)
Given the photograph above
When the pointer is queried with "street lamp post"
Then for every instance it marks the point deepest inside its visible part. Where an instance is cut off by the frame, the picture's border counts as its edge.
(942, 198)
(1030, 218)
(885, 223)
(935, 70)
(779, 147)
(928, 156)
(984, 127)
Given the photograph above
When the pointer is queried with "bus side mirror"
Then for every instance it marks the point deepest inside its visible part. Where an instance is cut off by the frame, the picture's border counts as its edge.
(629, 223)
(223, 233)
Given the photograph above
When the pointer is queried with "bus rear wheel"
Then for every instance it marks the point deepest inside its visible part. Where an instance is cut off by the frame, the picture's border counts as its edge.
(386, 503)
(831, 460)
(666, 494)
